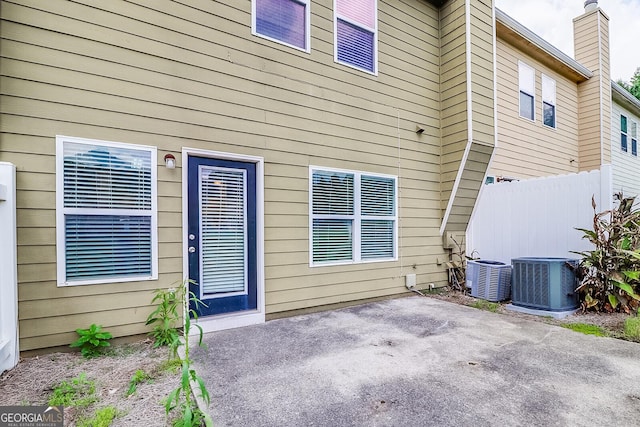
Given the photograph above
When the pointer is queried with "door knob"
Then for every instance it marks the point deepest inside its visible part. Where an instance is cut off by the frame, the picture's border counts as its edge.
(192, 249)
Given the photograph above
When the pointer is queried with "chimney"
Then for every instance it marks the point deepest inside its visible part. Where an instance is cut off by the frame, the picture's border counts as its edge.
(590, 5)
(591, 46)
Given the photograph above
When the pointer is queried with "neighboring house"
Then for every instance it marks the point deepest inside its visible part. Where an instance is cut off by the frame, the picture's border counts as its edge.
(554, 112)
(283, 154)
(625, 125)
(558, 115)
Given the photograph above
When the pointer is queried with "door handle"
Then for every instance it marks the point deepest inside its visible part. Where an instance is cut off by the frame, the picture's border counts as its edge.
(192, 249)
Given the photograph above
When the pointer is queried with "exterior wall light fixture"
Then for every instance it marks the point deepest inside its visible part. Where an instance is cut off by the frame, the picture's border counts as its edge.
(170, 161)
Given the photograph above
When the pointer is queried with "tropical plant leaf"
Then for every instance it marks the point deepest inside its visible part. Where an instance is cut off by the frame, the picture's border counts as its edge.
(632, 275)
(613, 300)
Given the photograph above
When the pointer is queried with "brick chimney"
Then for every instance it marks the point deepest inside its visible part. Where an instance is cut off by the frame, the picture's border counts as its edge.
(591, 45)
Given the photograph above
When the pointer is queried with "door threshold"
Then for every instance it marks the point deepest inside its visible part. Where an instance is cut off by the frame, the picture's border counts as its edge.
(222, 322)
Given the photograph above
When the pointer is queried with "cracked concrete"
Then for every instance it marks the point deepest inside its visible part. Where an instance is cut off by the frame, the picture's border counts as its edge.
(415, 362)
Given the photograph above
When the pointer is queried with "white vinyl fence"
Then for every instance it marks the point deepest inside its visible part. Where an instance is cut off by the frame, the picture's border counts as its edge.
(537, 217)
(9, 351)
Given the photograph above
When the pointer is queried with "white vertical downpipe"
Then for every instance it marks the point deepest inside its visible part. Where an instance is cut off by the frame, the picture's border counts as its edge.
(9, 345)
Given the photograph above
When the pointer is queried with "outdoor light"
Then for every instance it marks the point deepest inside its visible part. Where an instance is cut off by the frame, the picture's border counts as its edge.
(170, 161)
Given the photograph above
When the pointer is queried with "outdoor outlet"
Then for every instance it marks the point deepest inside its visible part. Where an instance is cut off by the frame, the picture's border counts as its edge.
(410, 281)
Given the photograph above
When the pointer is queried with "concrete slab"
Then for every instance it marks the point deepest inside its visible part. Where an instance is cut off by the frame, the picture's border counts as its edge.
(543, 313)
(417, 362)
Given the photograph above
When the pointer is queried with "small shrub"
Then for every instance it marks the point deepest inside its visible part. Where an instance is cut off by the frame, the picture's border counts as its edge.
(585, 328)
(632, 328)
(138, 377)
(102, 418)
(78, 392)
(92, 341)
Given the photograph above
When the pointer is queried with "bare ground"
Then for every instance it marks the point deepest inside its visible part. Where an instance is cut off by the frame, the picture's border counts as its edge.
(33, 380)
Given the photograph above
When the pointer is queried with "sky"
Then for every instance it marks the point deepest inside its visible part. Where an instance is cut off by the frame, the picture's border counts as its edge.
(553, 21)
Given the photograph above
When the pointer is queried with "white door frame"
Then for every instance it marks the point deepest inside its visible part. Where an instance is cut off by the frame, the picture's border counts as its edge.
(244, 318)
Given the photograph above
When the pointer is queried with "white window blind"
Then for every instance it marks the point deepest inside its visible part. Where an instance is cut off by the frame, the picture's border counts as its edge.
(353, 217)
(106, 212)
(223, 230)
(527, 86)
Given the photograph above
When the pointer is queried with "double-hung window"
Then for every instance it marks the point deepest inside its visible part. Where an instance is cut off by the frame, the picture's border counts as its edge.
(623, 133)
(527, 85)
(356, 34)
(634, 138)
(284, 21)
(549, 101)
(353, 217)
(106, 212)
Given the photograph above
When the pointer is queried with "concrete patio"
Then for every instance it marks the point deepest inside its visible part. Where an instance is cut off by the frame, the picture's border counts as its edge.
(417, 362)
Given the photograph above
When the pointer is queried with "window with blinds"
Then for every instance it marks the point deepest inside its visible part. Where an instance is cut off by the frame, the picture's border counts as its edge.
(356, 34)
(548, 101)
(106, 212)
(353, 217)
(284, 21)
(223, 230)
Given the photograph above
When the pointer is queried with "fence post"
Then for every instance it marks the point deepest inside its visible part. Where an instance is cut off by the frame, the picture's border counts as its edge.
(9, 346)
(606, 188)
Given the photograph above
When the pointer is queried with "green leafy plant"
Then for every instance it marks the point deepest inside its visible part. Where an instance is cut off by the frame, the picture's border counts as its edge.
(165, 318)
(610, 274)
(138, 377)
(92, 341)
(486, 305)
(585, 328)
(78, 392)
(102, 418)
(181, 398)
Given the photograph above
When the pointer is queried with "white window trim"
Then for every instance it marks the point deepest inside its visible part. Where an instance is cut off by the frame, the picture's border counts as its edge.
(533, 70)
(555, 102)
(336, 15)
(307, 29)
(357, 218)
(60, 212)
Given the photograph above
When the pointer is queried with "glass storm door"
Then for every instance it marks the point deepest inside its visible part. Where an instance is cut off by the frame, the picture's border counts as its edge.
(222, 235)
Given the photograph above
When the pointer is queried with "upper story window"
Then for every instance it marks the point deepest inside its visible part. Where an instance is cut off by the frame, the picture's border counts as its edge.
(106, 212)
(284, 21)
(527, 85)
(623, 133)
(634, 138)
(356, 34)
(353, 217)
(549, 101)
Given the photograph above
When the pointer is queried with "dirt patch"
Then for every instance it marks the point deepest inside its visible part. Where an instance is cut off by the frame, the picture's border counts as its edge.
(612, 323)
(32, 381)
